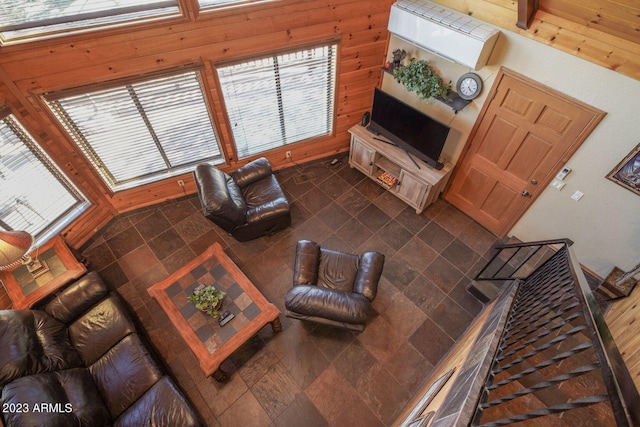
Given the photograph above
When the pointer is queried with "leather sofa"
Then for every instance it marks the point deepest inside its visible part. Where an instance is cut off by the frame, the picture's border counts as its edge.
(333, 288)
(80, 361)
(247, 203)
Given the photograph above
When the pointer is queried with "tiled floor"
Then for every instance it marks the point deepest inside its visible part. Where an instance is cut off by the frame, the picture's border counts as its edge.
(310, 375)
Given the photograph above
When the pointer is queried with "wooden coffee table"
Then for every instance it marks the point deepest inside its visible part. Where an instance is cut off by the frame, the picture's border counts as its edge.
(210, 342)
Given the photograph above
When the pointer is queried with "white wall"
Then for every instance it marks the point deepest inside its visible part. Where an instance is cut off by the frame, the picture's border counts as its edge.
(605, 223)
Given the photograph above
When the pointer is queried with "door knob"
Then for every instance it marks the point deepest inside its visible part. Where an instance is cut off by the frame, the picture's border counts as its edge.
(534, 182)
(525, 193)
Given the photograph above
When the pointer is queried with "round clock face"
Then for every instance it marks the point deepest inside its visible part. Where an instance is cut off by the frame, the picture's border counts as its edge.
(469, 86)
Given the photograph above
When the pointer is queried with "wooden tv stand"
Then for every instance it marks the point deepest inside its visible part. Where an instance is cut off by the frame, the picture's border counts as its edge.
(416, 187)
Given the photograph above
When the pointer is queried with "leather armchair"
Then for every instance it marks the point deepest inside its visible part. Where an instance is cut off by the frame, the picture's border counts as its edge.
(247, 203)
(333, 288)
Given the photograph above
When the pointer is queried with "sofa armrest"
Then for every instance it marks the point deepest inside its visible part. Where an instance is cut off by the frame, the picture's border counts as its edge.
(75, 299)
(369, 272)
(305, 270)
(252, 172)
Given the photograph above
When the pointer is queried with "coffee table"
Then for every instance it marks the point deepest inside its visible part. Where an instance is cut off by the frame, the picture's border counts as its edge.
(210, 342)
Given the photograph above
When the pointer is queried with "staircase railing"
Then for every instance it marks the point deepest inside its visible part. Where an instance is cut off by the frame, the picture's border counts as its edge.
(517, 260)
(556, 356)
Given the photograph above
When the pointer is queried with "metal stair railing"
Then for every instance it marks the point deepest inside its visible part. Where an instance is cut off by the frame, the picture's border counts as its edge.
(516, 260)
(556, 356)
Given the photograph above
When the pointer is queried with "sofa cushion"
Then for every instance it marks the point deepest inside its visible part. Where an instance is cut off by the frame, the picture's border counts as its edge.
(162, 405)
(77, 298)
(65, 398)
(124, 374)
(100, 328)
(32, 342)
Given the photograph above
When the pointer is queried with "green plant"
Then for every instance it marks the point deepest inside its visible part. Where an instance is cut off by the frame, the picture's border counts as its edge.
(207, 299)
(419, 77)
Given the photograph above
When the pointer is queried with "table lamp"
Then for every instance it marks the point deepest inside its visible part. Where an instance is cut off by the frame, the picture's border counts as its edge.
(14, 250)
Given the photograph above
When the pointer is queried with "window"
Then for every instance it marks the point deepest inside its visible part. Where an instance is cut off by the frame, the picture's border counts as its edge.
(279, 100)
(140, 132)
(36, 196)
(215, 3)
(29, 18)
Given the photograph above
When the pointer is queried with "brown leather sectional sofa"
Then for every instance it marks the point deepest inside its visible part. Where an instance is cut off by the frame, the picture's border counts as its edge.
(80, 361)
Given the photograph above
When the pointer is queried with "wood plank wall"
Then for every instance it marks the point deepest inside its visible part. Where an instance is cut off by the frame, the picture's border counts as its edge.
(31, 69)
(623, 319)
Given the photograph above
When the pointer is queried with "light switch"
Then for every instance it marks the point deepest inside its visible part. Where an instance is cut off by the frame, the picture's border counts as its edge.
(557, 184)
(577, 195)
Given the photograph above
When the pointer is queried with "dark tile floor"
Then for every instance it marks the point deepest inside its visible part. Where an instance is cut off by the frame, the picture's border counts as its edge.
(309, 375)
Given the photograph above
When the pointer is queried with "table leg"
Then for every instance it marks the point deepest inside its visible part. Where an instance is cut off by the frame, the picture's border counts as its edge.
(220, 376)
(276, 325)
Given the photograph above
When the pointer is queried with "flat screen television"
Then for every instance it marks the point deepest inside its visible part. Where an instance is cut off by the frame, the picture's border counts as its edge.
(408, 128)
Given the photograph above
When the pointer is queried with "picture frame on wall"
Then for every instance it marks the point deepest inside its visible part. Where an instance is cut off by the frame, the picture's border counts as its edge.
(627, 172)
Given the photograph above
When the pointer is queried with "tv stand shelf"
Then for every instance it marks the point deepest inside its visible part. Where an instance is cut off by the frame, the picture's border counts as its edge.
(418, 187)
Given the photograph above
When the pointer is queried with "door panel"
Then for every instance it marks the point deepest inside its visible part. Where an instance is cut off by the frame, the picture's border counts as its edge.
(522, 137)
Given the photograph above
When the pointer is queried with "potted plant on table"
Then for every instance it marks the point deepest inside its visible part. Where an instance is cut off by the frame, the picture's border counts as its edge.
(207, 299)
(420, 77)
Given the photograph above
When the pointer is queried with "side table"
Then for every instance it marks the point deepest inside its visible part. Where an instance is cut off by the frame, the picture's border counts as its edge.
(25, 290)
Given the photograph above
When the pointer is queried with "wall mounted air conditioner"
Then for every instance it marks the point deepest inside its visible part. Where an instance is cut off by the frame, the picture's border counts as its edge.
(447, 33)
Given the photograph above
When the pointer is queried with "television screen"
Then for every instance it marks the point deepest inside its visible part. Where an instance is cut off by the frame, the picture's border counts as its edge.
(408, 128)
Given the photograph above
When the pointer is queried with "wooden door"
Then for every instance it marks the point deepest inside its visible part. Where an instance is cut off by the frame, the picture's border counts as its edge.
(523, 135)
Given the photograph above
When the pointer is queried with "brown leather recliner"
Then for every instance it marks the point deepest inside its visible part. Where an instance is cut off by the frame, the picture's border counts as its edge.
(333, 288)
(247, 203)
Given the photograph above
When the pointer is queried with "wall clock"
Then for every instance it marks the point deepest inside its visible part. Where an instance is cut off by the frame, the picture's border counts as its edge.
(469, 86)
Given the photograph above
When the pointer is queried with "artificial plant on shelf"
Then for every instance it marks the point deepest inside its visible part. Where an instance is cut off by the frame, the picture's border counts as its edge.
(207, 299)
(420, 77)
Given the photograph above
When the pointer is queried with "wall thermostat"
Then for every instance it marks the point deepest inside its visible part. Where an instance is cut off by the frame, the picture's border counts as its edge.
(563, 173)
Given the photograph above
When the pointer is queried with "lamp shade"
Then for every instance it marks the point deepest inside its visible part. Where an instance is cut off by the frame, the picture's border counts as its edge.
(13, 246)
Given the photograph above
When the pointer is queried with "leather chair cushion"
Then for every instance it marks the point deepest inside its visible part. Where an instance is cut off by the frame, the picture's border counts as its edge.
(124, 374)
(32, 342)
(77, 298)
(264, 197)
(337, 270)
(328, 303)
(100, 328)
(252, 172)
(162, 405)
(221, 197)
(65, 398)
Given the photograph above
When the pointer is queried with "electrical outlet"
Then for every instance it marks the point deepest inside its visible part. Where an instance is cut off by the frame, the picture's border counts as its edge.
(288, 154)
(181, 183)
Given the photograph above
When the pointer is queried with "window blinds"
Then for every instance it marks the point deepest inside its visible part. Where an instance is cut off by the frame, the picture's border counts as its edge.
(141, 132)
(35, 195)
(279, 100)
(28, 17)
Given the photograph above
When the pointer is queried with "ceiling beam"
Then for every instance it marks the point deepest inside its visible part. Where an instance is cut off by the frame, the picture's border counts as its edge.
(526, 10)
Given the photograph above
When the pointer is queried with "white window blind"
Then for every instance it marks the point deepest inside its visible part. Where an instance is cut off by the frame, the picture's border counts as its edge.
(34, 194)
(25, 18)
(141, 132)
(279, 100)
(208, 3)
